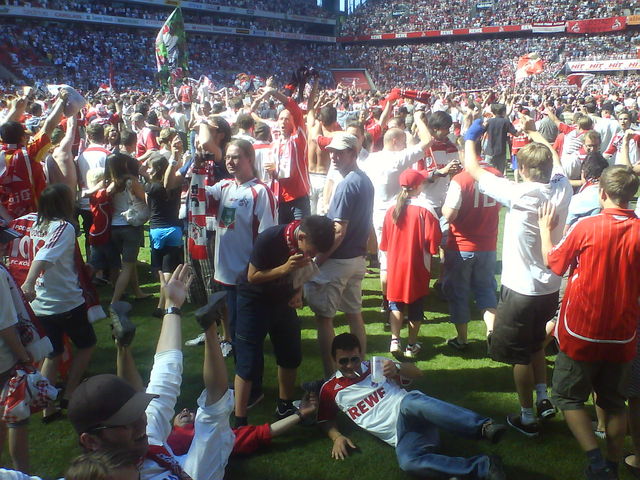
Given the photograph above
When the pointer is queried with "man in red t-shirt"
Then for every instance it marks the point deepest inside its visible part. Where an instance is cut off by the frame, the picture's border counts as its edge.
(22, 177)
(598, 320)
(470, 253)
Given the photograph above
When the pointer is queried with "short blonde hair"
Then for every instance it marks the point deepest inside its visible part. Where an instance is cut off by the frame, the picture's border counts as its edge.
(537, 161)
(100, 465)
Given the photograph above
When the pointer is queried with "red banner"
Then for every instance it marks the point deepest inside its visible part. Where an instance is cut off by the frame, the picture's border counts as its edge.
(597, 25)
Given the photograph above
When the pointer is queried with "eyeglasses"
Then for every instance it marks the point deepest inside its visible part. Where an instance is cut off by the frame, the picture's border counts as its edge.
(346, 360)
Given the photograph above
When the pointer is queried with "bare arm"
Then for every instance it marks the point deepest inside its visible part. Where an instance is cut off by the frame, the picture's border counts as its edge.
(293, 263)
(340, 233)
(386, 113)
(53, 119)
(16, 110)
(126, 367)
(450, 213)
(63, 155)
(546, 222)
(424, 134)
(175, 291)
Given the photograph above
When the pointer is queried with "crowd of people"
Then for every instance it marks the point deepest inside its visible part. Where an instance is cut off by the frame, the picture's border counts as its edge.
(378, 16)
(258, 200)
(34, 54)
(306, 7)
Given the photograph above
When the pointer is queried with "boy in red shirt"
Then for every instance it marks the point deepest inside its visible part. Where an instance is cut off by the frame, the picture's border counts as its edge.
(597, 325)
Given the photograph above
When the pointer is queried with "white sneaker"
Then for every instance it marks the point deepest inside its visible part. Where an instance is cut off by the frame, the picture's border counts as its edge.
(199, 340)
(395, 347)
(412, 351)
(226, 348)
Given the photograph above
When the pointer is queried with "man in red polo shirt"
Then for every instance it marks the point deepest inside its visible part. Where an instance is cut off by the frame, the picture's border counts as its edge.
(22, 177)
(597, 325)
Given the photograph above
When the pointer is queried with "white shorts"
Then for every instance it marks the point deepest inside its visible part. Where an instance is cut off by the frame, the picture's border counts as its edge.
(213, 439)
(317, 189)
(337, 286)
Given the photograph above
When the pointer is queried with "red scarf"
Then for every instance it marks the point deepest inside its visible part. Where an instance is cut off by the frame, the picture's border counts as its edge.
(164, 458)
(290, 237)
(200, 216)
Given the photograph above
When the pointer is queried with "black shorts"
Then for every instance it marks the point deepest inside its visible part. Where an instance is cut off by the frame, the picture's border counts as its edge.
(573, 382)
(74, 323)
(166, 259)
(255, 319)
(519, 328)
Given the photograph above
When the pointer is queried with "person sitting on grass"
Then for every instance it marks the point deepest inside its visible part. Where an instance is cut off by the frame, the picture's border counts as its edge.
(408, 421)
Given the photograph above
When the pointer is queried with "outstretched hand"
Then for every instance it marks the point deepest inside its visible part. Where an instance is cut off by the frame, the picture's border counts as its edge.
(175, 290)
(547, 216)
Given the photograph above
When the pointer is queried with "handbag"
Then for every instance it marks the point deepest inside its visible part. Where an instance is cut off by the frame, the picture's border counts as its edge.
(138, 212)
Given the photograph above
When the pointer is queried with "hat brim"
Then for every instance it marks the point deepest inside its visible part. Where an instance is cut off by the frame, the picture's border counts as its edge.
(130, 411)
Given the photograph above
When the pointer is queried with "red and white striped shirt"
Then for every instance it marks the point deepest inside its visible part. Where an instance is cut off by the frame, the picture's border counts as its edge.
(600, 312)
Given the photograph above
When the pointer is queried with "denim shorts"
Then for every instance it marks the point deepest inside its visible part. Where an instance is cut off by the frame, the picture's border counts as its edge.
(415, 310)
(466, 272)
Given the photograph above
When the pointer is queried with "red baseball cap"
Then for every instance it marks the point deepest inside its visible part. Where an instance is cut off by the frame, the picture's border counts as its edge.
(413, 178)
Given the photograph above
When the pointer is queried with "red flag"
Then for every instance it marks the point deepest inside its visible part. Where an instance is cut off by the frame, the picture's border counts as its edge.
(528, 65)
(580, 80)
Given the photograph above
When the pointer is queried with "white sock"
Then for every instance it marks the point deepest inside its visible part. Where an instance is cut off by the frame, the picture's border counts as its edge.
(541, 391)
(526, 414)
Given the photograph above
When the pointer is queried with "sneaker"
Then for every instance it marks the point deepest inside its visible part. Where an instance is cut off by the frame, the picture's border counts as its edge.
(454, 343)
(122, 328)
(395, 348)
(412, 351)
(284, 410)
(255, 398)
(226, 348)
(199, 340)
(530, 430)
(207, 315)
(313, 386)
(607, 473)
(496, 470)
(493, 432)
(545, 409)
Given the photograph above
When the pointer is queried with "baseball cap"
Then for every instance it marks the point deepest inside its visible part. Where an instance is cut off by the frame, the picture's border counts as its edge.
(343, 141)
(106, 400)
(7, 234)
(412, 178)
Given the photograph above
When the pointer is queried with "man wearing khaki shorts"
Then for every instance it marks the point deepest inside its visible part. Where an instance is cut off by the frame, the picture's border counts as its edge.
(338, 284)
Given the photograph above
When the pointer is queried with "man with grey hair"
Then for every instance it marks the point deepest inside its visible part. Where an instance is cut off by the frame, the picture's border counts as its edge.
(338, 284)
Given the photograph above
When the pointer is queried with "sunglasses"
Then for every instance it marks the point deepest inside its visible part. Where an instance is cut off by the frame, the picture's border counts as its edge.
(105, 427)
(346, 360)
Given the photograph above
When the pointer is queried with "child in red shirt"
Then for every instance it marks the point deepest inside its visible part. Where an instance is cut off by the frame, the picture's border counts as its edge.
(410, 235)
(100, 231)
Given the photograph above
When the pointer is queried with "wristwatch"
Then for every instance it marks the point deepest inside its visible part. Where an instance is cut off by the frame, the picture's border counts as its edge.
(173, 311)
(398, 366)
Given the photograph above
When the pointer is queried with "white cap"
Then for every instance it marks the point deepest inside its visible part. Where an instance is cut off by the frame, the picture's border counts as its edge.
(343, 141)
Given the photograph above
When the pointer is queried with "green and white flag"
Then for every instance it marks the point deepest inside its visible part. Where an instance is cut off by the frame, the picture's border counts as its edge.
(171, 50)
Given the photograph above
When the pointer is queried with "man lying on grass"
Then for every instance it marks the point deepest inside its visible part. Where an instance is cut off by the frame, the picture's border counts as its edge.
(408, 421)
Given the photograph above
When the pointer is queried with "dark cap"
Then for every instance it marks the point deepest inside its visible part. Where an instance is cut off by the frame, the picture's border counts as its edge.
(7, 234)
(106, 400)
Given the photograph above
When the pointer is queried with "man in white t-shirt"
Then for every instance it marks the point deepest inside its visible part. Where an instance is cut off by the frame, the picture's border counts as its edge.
(529, 293)
(109, 411)
(408, 421)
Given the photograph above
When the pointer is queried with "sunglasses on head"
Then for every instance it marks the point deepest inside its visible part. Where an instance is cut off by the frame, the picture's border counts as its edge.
(346, 360)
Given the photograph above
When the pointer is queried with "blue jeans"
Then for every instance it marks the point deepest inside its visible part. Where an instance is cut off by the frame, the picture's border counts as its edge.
(418, 437)
(294, 210)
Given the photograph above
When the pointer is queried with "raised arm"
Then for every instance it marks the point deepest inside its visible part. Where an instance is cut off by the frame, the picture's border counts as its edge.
(54, 117)
(175, 291)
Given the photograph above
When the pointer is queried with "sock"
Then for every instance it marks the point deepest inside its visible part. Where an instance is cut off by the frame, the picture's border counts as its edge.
(596, 460)
(541, 391)
(240, 422)
(526, 414)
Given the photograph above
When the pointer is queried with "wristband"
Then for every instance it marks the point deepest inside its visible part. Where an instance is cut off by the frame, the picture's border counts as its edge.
(173, 311)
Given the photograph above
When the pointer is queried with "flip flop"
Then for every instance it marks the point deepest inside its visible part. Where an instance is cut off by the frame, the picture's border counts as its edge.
(635, 471)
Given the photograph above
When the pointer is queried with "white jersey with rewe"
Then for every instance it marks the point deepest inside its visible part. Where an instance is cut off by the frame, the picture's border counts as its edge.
(372, 406)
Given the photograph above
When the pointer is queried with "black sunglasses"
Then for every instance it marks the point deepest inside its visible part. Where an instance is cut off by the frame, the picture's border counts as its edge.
(345, 360)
